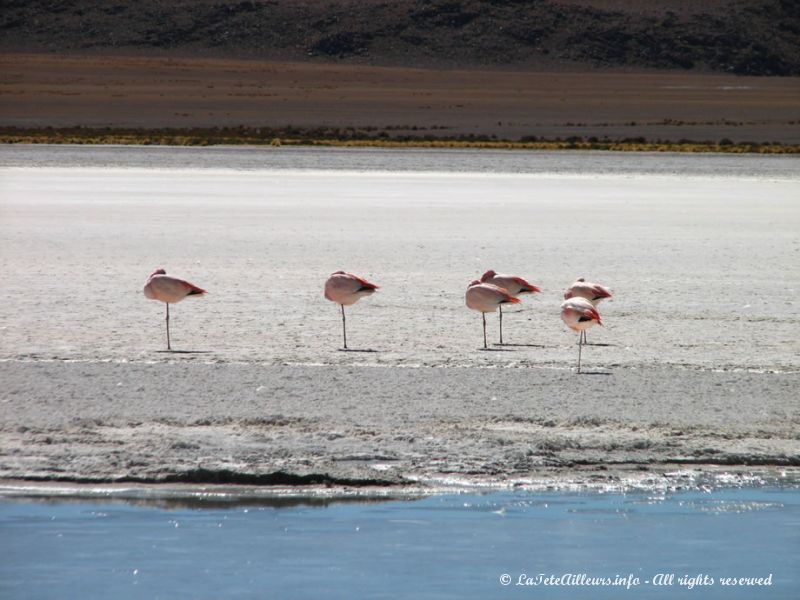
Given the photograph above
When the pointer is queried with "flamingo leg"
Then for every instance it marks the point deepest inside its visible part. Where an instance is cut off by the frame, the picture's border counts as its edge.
(484, 330)
(344, 328)
(580, 347)
(168, 346)
(501, 324)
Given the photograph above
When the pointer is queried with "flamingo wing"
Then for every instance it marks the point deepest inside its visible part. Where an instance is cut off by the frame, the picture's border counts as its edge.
(600, 292)
(365, 285)
(193, 289)
(587, 313)
(508, 298)
(525, 285)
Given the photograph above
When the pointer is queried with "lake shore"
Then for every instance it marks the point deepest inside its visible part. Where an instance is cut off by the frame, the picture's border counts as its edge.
(389, 427)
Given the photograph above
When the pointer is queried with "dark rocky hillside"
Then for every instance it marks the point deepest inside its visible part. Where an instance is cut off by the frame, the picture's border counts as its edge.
(745, 37)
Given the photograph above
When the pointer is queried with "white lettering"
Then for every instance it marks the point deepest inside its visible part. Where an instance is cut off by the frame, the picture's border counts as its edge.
(664, 579)
(746, 580)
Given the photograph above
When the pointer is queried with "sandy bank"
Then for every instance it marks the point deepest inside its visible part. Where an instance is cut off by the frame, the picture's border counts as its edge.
(185, 422)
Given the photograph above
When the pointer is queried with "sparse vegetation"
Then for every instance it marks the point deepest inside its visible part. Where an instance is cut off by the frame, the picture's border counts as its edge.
(368, 137)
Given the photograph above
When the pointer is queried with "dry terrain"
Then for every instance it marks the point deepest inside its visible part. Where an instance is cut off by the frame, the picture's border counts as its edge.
(38, 90)
(743, 37)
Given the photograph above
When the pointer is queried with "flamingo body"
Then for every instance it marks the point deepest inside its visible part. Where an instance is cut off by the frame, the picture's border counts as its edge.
(161, 286)
(346, 289)
(169, 290)
(593, 292)
(487, 297)
(511, 283)
(579, 314)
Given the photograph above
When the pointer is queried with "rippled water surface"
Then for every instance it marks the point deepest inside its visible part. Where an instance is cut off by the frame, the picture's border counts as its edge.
(453, 546)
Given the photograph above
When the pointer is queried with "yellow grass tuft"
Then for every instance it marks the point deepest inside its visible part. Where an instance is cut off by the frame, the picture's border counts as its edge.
(364, 138)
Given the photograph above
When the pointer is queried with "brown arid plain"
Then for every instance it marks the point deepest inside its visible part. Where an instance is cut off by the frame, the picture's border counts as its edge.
(148, 92)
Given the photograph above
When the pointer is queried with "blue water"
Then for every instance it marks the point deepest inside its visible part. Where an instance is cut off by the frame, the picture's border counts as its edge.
(455, 546)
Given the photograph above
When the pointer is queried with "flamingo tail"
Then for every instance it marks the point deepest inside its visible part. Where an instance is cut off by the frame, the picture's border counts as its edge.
(601, 292)
(193, 289)
(526, 287)
(365, 285)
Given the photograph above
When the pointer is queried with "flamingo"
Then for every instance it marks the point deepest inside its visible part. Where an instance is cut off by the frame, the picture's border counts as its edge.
(593, 292)
(487, 297)
(160, 286)
(346, 289)
(512, 284)
(579, 314)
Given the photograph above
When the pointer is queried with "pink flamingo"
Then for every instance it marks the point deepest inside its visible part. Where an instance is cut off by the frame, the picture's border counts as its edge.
(593, 292)
(487, 297)
(346, 289)
(579, 314)
(514, 285)
(161, 286)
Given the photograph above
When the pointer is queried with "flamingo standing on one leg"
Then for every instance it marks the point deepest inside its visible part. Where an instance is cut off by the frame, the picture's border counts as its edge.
(593, 292)
(169, 290)
(512, 284)
(579, 314)
(346, 289)
(487, 297)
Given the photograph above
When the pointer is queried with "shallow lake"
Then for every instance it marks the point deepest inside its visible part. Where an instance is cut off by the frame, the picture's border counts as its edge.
(557, 545)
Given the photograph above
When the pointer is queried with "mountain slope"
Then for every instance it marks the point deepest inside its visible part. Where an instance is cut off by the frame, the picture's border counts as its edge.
(746, 37)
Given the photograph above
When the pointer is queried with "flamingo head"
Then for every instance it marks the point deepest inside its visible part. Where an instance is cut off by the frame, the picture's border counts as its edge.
(158, 272)
(476, 282)
(581, 279)
(338, 273)
(567, 294)
(488, 275)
